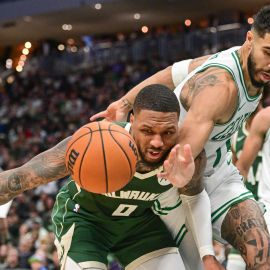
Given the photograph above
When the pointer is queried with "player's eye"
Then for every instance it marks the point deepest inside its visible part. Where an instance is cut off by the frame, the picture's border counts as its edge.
(267, 53)
(169, 132)
(147, 131)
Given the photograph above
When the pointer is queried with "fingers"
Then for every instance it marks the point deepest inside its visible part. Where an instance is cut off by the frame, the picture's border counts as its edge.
(169, 162)
(102, 114)
(166, 169)
(173, 153)
(187, 154)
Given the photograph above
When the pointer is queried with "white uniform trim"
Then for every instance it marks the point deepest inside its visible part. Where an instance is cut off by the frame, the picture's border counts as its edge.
(180, 71)
(90, 264)
(136, 263)
(63, 246)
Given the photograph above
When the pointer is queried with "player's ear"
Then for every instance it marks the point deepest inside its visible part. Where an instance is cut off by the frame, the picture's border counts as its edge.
(250, 37)
(131, 118)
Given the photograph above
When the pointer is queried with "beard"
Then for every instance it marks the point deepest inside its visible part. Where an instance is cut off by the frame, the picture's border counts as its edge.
(145, 166)
(252, 71)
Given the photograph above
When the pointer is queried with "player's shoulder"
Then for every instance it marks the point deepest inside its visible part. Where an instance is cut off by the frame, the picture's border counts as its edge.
(263, 115)
(219, 82)
(261, 122)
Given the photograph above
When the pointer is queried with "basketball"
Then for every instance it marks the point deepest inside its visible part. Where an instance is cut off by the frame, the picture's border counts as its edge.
(101, 157)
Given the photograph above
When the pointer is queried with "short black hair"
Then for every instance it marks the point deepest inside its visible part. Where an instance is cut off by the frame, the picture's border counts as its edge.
(261, 23)
(158, 98)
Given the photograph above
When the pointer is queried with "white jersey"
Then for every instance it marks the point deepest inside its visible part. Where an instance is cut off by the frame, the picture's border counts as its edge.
(264, 186)
(219, 144)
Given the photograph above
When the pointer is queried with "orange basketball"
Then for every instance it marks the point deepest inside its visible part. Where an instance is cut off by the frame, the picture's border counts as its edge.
(101, 157)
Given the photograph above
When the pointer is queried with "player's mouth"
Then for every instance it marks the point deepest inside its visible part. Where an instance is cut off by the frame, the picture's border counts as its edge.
(265, 76)
(154, 154)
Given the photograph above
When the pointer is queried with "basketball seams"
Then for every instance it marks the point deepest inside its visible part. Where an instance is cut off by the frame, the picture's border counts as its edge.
(80, 168)
(107, 139)
(104, 157)
(90, 131)
(123, 150)
(115, 130)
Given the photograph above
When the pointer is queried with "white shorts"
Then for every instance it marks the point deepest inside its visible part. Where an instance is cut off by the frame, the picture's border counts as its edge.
(225, 189)
(168, 207)
(4, 209)
(266, 205)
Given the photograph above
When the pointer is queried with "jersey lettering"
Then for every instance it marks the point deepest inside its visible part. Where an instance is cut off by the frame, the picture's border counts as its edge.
(231, 129)
(124, 210)
(133, 195)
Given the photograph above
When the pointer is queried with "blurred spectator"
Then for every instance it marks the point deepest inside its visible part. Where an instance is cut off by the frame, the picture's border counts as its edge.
(12, 260)
(25, 246)
(38, 261)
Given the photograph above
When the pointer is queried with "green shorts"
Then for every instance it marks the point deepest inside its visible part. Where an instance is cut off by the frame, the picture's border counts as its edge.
(86, 237)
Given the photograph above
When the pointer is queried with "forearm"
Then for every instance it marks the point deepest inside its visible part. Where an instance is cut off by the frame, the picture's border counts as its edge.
(162, 77)
(42, 169)
(196, 132)
(196, 204)
(249, 153)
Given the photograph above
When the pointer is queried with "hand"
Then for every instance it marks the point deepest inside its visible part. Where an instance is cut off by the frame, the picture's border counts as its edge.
(116, 111)
(211, 263)
(179, 167)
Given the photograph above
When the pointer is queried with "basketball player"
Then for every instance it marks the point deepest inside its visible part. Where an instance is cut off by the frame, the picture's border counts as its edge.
(257, 141)
(215, 99)
(238, 141)
(88, 226)
(235, 260)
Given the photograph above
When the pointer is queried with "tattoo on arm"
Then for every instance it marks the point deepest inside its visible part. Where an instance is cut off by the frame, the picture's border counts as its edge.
(43, 168)
(244, 228)
(198, 83)
(126, 104)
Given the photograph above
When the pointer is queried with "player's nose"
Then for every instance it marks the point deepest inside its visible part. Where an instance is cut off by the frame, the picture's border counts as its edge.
(157, 141)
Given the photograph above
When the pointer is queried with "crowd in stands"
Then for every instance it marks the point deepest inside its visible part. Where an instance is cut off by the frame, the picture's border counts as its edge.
(38, 109)
(36, 112)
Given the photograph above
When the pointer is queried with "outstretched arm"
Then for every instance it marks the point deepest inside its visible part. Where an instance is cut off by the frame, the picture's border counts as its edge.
(43, 168)
(254, 141)
(209, 98)
(119, 109)
(170, 77)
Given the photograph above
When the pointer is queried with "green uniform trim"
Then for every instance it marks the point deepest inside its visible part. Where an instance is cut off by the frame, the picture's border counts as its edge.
(181, 234)
(164, 210)
(222, 209)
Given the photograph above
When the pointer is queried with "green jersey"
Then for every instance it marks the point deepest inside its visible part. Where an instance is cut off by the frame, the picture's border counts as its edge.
(136, 198)
(89, 226)
(254, 173)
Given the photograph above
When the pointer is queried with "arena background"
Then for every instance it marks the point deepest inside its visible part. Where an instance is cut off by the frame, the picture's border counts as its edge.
(62, 61)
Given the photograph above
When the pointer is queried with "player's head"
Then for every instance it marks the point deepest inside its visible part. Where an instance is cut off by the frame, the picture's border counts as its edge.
(155, 123)
(259, 41)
